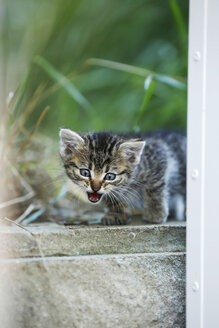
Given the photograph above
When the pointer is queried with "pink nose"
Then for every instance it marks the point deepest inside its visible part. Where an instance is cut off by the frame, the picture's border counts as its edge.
(95, 187)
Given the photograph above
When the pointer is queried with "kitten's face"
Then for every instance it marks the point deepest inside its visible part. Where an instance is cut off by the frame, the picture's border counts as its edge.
(98, 164)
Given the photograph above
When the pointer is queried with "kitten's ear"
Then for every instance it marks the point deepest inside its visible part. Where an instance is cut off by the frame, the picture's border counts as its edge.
(69, 142)
(131, 150)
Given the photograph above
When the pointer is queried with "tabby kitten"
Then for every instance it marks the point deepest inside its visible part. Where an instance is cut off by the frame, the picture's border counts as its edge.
(147, 171)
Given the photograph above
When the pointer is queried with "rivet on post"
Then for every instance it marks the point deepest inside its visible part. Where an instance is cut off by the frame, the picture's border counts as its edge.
(195, 286)
(194, 174)
(196, 56)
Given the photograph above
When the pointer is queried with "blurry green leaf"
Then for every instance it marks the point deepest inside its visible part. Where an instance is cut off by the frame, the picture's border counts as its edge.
(149, 87)
(178, 17)
(174, 82)
(148, 81)
(150, 34)
(181, 26)
(70, 88)
(170, 81)
(150, 84)
(117, 66)
(20, 91)
(66, 84)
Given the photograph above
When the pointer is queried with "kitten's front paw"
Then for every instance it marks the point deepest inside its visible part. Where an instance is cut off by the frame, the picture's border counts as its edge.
(157, 219)
(115, 219)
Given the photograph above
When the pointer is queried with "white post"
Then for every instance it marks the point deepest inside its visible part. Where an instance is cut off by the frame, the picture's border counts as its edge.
(203, 166)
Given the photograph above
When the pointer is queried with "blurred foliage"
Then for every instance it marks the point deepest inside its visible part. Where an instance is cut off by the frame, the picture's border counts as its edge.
(87, 65)
(46, 43)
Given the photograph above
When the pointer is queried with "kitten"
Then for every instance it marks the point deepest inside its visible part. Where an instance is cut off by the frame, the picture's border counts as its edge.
(147, 171)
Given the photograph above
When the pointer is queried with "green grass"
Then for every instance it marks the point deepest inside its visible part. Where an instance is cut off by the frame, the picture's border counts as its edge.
(105, 65)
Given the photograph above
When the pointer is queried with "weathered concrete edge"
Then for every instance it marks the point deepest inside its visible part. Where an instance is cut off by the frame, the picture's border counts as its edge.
(54, 240)
(84, 257)
(134, 290)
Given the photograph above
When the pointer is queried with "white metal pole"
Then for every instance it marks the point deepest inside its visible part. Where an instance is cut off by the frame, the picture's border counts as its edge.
(203, 166)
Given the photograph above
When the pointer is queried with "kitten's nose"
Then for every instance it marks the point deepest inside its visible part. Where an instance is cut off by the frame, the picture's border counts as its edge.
(95, 187)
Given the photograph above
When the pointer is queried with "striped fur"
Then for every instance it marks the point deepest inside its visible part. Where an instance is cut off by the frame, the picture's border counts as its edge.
(125, 172)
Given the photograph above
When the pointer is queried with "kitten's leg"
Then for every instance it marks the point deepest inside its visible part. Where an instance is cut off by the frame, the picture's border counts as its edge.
(177, 203)
(117, 216)
(155, 203)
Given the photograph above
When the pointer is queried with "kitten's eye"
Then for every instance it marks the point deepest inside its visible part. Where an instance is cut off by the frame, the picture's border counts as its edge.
(110, 176)
(85, 173)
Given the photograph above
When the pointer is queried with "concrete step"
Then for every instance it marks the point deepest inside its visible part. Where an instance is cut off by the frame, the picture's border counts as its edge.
(55, 276)
(56, 240)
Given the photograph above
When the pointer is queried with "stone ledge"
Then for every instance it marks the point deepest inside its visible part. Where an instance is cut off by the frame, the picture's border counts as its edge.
(125, 291)
(56, 240)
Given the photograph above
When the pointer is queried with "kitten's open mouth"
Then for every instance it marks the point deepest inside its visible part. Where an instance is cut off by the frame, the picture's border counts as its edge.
(94, 197)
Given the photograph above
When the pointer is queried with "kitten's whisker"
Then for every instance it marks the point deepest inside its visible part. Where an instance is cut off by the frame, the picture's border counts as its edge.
(132, 193)
(111, 199)
(116, 199)
(119, 204)
(131, 189)
(132, 197)
(124, 198)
